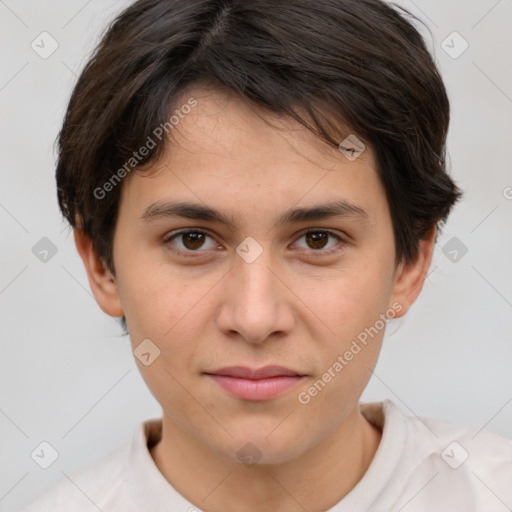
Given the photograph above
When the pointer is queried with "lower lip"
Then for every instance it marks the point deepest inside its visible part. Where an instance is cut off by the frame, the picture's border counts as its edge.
(256, 389)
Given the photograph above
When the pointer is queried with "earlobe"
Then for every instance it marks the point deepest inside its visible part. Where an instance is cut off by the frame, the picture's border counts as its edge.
(410, 277)
(101, 280)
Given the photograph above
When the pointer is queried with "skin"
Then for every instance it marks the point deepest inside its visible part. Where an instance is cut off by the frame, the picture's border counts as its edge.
(288, 307)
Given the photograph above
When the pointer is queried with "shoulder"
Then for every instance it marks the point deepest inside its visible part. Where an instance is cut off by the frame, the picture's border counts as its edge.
(87, 488)
(458, 443)
(455, 464)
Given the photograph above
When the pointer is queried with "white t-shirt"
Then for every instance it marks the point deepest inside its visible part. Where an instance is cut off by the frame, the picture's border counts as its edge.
(421, 465)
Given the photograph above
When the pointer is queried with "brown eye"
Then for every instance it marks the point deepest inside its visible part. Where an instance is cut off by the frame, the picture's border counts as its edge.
(193, 240)
(318, 241)
(190, 241)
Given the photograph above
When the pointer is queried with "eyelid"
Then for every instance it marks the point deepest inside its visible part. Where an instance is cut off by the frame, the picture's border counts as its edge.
(323, 252)
(175, 234)
(320, 252)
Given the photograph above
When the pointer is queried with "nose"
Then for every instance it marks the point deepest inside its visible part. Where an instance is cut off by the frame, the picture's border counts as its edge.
(257, 303)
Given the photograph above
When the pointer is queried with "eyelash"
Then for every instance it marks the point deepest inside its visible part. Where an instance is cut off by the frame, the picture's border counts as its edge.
(318, 252)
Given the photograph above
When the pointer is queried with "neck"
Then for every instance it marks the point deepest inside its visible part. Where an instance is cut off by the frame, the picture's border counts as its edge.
(316, 480)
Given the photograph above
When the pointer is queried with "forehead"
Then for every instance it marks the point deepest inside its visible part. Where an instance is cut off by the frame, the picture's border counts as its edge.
(222, 120)
(224, 149)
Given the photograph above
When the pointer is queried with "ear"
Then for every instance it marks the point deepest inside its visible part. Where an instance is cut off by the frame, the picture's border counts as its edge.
(410, 277)
(101, 280)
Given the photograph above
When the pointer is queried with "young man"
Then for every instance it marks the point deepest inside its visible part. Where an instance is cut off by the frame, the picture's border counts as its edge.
(255, 187)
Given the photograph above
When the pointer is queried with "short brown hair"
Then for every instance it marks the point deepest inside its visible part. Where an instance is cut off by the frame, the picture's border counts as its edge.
(325, 63)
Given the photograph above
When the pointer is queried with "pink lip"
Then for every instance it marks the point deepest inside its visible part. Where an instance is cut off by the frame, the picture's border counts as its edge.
(255, 384)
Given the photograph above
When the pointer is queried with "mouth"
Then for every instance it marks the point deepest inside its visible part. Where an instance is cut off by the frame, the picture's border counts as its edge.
(256, 384)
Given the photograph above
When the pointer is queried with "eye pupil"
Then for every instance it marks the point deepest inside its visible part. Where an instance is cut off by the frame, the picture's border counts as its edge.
(196, 239)
(317, 239)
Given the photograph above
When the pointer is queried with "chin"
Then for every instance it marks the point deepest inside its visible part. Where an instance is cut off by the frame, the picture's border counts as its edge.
(253, 447)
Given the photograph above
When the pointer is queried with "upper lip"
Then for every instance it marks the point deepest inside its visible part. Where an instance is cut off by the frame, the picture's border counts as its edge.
(266, 372)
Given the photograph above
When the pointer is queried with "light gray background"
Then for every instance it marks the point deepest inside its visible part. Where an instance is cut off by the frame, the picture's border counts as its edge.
(68, 377)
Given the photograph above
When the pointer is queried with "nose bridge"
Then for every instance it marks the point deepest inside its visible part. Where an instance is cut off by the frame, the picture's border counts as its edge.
(255, 304)
(253, 269)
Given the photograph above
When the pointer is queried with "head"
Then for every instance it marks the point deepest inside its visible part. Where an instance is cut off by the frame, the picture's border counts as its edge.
(232, 122)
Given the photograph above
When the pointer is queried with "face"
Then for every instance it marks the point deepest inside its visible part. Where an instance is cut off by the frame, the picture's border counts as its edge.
(256, 281)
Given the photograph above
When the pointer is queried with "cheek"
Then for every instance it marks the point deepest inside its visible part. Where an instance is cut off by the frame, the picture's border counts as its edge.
(158, 301)
(351, 306)
(171, 311)
(166, 315)
(351, 301)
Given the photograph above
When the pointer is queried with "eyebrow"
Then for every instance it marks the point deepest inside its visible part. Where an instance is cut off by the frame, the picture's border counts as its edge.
(195, 211)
